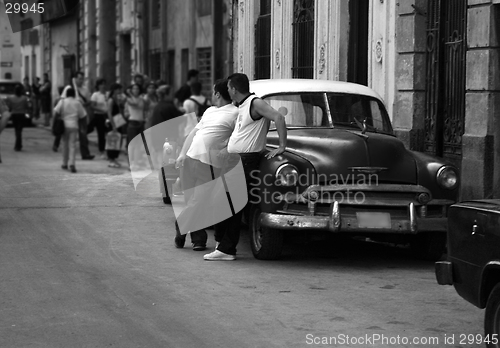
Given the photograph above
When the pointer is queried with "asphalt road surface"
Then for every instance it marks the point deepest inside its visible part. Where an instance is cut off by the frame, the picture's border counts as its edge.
(87, 262)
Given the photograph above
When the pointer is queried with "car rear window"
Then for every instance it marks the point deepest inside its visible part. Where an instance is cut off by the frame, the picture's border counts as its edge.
(7, 88)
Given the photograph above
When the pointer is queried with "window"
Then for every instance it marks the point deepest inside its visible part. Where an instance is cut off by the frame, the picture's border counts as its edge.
(171, 67)
(184, 63)
(346, 111)
(204, 64)
(155, 64)
(204, 7)
(263, 41)
(301, 110)
(303, 39)
(155, 13)
(356, 110)
(8, 76)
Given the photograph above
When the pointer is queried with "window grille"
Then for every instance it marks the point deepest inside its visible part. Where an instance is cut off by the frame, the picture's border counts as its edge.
(263, 41)
(303, 39)
(204, 66)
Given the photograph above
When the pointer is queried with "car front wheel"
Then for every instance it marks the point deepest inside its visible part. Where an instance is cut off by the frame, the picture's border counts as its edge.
(429, 245)
(492, 319)
(266, 243)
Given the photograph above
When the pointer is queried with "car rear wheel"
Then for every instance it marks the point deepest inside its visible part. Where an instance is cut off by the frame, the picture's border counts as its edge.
(492, 319)
(429, 245)
(266, 243)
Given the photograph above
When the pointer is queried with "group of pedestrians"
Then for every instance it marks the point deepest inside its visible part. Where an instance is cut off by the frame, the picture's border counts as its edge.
(113, 112)
(236, 125)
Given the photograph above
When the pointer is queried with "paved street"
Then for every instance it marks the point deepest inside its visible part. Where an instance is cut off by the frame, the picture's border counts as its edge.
(87, 262)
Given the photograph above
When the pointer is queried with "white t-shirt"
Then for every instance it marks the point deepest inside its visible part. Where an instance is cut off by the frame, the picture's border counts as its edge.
(71, 110)
(100, 100)
(190, 106)
(214, 130)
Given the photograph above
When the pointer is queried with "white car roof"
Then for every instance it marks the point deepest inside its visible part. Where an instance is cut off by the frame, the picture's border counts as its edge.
(263, 88)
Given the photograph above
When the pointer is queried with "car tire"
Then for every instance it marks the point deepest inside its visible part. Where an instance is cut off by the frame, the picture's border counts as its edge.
(429, 246)
(492, 318)
(266, 243)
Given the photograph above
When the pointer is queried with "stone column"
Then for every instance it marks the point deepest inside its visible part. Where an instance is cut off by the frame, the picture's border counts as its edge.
(409, 104)
(481, 139)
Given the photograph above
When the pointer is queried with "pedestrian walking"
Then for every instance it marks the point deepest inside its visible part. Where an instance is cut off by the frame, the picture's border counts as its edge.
(199, 165)
(4, 117)
(135, 105)
(71, 111)
(196, 103)
(83, 96)
(46, 100)
(185, 91)
(35, 97)
(151, 100)
(19, 107)
(139, 81)
(100, 107)
(249, 141)
(57, 138)
(115, 108)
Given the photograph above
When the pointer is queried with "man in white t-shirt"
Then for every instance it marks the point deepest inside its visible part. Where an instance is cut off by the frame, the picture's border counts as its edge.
(199, 163)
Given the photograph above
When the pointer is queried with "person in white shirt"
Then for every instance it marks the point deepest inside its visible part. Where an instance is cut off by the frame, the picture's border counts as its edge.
(82, 94)
(199, 163)
(71, 111)
(99, 103)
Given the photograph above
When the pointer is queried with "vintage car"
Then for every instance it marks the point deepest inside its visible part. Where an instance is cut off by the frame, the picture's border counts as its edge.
(473, 264)
(344, 171)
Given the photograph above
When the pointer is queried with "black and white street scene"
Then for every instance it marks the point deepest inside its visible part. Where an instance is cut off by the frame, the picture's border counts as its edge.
(258, 173)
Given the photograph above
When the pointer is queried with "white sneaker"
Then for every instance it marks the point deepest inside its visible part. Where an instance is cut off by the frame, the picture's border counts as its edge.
(219, 256)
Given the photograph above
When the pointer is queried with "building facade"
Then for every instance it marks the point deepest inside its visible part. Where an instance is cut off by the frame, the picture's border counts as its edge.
(10, 57)
(181, 35)
(436, 64)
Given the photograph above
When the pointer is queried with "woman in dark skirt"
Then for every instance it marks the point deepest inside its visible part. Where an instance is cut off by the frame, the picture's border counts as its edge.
(114, 108)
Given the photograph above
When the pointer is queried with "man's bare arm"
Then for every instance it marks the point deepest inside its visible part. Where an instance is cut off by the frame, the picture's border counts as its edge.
(265, 110)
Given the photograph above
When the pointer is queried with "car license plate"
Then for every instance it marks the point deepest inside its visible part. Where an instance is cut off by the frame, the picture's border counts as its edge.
(373, 220)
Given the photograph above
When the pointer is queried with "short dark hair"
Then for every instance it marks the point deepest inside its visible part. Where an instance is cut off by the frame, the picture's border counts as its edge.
(70, 92)
(99, 82)
(78, 73)
(113, 88)
(196, 88)
(192, 73)
(240, 82)
(220, 87)
(60, 89)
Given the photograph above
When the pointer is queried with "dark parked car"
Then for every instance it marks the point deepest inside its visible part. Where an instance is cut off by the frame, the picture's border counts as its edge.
(344, 171)
(473, 264)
